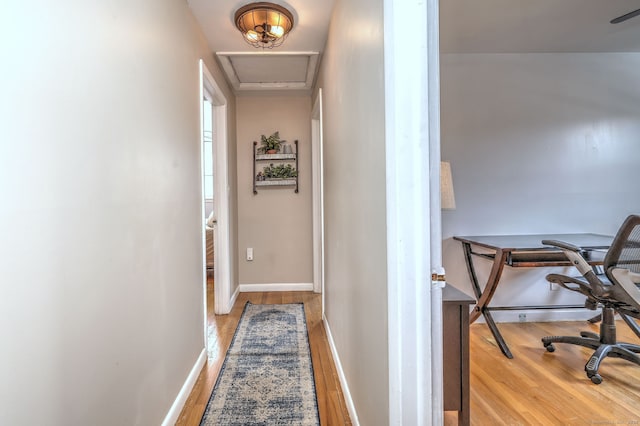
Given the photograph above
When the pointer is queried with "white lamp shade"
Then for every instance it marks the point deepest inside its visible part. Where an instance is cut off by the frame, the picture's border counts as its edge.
(447, 197)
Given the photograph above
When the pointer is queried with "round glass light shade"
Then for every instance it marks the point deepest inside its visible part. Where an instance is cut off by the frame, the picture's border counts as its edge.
(263, 24)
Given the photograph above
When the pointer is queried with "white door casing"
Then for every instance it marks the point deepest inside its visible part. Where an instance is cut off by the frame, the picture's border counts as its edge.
(222, 235)
(318, 196)
(412, 139)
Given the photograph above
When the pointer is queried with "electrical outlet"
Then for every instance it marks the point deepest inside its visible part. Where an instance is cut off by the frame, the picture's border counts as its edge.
(522, 317)
(249, 253)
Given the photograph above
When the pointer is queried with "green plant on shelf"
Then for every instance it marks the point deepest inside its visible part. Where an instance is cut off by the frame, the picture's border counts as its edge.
(271, 144)
(281, 171)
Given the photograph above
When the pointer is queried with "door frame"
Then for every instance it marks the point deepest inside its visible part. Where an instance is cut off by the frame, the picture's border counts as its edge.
(317, 170)
(412, 133)
(222, 234)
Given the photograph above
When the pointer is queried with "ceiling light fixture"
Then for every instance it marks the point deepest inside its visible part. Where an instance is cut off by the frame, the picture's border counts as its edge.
(264, 24)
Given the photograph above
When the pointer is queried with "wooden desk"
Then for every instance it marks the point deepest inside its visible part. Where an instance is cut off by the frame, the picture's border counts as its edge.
(521, 251)
(455, 330)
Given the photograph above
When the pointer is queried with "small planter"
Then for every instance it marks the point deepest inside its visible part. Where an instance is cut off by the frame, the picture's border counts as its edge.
(271, 144)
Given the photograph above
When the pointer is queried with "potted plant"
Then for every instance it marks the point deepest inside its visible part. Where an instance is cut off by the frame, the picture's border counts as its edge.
(271, 144)
(280, 171)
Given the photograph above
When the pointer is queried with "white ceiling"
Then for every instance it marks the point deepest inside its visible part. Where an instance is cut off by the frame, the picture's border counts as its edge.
(291, 66)
(466, 26)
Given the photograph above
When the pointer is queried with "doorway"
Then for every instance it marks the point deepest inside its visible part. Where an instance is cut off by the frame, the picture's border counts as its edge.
(216, 255)
(208, 181)
(318, 197)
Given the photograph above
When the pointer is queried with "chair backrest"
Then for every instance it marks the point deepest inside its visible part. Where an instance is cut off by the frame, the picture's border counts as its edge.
(625, 248)
(622, 262)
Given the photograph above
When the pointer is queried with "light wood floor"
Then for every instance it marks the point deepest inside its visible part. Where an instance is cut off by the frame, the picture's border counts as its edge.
(537, 387)
(331, 403)
(534, 388)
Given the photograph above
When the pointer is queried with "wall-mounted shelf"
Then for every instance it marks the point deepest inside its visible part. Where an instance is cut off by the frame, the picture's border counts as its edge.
(261, 157)
(282, 158)
(276, 182)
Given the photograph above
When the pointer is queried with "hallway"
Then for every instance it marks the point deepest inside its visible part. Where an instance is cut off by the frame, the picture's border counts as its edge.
(331, 404)
(109, 180)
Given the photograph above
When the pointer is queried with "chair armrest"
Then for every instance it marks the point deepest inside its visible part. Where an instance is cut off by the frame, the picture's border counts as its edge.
(562, 245)
(571, 283)
(574, 254)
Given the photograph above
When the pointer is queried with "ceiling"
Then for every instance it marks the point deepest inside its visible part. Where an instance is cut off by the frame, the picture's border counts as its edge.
(466, 26)
(535, 26)
(291, 66)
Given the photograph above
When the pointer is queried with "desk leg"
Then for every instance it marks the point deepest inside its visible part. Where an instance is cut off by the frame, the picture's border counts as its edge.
(483, 297)
(468, 257)
(496, 334)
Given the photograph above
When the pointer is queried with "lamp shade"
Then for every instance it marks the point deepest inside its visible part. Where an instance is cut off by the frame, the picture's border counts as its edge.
(264, 25)
(447, 197)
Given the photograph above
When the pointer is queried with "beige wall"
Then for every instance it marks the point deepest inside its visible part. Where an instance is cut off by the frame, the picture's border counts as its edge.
(276, 222)
(352, 81)
(101, 316)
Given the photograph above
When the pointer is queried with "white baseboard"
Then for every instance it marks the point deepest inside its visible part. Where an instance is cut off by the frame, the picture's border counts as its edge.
(234, 296)
(343, 380)
(178, 404)
(542, 315)
(248, 288)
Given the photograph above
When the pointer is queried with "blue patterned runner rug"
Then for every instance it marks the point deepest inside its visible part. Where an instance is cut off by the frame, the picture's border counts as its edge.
(267, 376)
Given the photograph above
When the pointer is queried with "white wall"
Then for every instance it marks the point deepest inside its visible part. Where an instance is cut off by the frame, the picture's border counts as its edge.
(538, 143)
(352, 81)
(100, 254)
(276, 222)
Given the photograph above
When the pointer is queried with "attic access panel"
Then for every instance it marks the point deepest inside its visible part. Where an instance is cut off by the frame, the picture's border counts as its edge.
(269, 71)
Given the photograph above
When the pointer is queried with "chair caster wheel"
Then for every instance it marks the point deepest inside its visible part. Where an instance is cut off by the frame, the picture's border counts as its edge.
(596, 379)
(550, 347)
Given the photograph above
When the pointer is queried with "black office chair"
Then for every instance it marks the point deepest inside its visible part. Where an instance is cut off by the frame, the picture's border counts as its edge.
(616, 292)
